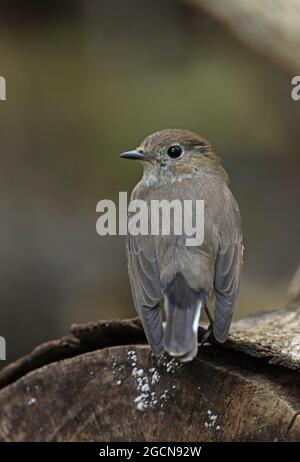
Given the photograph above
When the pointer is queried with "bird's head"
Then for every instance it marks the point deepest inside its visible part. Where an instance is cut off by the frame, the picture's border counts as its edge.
(172, 154)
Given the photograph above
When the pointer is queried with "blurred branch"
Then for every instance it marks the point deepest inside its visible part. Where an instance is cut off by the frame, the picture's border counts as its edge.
(269, 26)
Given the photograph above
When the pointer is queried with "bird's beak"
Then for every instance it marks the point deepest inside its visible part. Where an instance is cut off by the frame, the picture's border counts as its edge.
(135, 154)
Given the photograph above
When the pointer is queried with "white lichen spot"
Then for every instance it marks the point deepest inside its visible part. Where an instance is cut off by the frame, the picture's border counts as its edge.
(155, 377)
(145, 387)
(134, 371)
(141, 406)
(147, 379)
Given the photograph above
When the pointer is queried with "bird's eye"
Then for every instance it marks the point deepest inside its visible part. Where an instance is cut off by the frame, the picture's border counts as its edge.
(175, 151)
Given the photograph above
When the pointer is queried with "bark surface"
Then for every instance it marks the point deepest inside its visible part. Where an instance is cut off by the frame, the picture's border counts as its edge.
(101, 384)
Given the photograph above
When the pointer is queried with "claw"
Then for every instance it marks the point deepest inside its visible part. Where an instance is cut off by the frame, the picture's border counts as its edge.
(209, 330)
(207, 335)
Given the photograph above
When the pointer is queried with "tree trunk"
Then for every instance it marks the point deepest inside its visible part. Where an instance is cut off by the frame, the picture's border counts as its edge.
(101, 384)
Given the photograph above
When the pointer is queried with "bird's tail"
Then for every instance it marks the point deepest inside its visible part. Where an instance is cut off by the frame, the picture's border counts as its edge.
(183, 309)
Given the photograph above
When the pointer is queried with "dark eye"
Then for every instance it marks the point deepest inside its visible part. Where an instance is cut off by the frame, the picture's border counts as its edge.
(174, 152)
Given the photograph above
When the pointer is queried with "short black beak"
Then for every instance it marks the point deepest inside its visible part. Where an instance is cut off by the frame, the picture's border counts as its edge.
(136, 155)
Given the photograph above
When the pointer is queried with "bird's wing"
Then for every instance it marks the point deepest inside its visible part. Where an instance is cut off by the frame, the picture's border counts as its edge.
(227, 279)
(146, 290)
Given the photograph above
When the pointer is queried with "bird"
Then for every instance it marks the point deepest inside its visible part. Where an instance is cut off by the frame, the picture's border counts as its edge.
(180, 164)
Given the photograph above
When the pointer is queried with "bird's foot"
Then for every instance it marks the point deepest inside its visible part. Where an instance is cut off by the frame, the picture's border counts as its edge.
(208, 335)
(152, 360)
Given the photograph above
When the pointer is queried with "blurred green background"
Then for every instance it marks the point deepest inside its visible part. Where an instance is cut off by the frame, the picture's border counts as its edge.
(89, 79)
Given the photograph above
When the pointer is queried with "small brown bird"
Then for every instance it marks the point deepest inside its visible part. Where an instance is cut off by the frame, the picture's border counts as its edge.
(179, 164)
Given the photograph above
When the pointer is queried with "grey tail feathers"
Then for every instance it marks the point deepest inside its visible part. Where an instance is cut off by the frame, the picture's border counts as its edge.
(183, 309)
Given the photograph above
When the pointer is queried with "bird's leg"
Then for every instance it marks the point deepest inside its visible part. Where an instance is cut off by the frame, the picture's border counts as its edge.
(211, 322)
(209, 330)
(151, 358)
